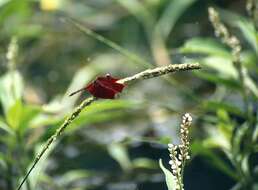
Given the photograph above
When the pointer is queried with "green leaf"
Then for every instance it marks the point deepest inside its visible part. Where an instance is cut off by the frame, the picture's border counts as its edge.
(245, 165)
(29, 112)
(17, 7)
(219, 136)
(170, 180)
(239, 137)
(222, 65)
(215, 105)
(19, 116)
(3, 163)
(144, 163)
(72, 176)
(171, 14)
(216, 140)
(217, 79)
(11, 89)
(249, 33)
(14, 115)
(106, 105)
(255, 132)
(102, 111)
(207, 46)
(213, 158)
(120, 154)
(5, 127)
(249, 83)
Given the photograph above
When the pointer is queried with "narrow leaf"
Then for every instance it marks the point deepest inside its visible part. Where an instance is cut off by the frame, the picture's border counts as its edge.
(170, 180)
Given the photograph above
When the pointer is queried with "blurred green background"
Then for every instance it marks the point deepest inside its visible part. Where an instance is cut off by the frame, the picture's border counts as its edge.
(116, 144)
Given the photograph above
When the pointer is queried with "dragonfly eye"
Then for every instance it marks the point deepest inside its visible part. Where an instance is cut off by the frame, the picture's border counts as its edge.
(108, 75)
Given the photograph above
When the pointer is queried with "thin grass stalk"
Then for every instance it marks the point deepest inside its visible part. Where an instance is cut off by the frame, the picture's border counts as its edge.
(131, 56)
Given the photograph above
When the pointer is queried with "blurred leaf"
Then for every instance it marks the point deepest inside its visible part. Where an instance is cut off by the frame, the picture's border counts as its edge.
(102, 111)
(165, 140)
(19, 116)
(29, 112)
(72, 176)
(219, 136)
(3, 2)
(245, 165)
(249, 83)
(17, 7)
(255, 132)
(119, 153)
(213, 158)
(144, 163)
(29, 31)
(219, 80)
(255, 186)
(220, 61)
(11, 88)
(237, 186)
(207, 46)
(249, 33)
(223, 115)
(217, 140)
(44, 119)
(137, 9)
(14, 115)
(238, 138)
(5, 127)
(249, 61)
(225, 126)
(215, 105)
(105, 105)
(95, 118)
(223, 66)
(171, 14)
(3, 163)
(170, 180)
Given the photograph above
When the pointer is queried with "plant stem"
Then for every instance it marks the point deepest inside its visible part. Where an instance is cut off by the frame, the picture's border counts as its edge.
(151, 73)
(131, 56)
(21, 154)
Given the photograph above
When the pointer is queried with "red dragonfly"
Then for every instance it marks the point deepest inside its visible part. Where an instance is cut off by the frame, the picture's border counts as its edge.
(103, 87)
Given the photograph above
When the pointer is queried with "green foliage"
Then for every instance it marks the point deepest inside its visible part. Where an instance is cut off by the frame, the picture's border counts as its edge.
(116, 142)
